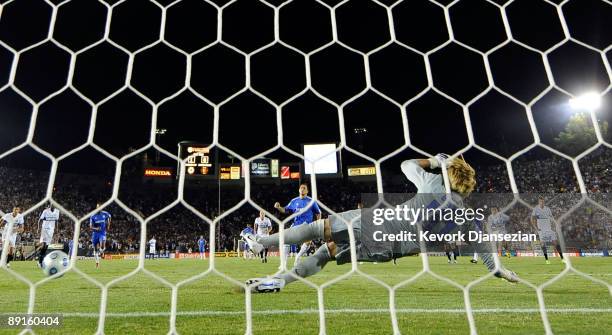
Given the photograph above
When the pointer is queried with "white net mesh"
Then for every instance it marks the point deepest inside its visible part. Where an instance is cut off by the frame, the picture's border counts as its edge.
(501, 7)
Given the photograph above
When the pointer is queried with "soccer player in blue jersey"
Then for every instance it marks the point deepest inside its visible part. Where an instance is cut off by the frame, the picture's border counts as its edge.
(99, 223)
(248, 253)
(308, 210)
(202, 247)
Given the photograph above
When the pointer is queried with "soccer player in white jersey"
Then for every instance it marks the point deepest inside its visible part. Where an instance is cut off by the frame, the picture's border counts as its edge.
(152, 245)
(541, 220)
(334, 230)
(49, 217)
(263, 227)
(496, 224)
(13, 225)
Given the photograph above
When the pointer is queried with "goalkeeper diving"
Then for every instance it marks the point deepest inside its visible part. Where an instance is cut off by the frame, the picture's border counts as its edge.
(335, 232)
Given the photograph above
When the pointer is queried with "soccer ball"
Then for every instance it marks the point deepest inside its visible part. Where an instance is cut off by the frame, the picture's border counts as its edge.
(56, 261)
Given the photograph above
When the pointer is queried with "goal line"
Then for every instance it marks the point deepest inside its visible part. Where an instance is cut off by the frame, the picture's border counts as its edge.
(345, 310)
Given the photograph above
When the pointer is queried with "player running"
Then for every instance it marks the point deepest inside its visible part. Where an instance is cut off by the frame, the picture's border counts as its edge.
(334, 230)
(99, 223)
(309, 212)
(152, 246)
(263, 227)
(14, 223)
(541, 220)
(49, 218)
(202, 247)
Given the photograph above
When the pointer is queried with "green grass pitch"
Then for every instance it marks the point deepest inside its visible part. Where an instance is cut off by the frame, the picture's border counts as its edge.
(354, 305)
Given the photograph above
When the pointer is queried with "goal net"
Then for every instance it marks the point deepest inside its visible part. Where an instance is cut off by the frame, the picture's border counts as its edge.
(162, 110)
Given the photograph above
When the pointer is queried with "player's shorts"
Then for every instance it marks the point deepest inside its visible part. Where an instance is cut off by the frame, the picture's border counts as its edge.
(151, 251)
(295, 224)
(202, 249)
(46, 235)
(12, 240)
(340, 235)
(293, 248)
(98, 238)
(547, 235)
(498, 231)
(368, 249)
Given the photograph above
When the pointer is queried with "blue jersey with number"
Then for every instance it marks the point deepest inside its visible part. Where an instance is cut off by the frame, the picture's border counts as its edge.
(248, 230)
(307, 216)
(201, 244)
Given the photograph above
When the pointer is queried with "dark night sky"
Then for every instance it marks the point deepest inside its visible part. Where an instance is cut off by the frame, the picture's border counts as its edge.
(247, 123)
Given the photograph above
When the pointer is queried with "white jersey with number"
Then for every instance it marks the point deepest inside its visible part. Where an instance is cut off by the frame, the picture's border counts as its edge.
(152, 243)
(263, 226)
(49, 217)
(17, 222)
(497, 222)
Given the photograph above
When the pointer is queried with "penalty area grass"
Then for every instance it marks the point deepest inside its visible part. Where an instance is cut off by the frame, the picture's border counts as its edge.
(356, 303)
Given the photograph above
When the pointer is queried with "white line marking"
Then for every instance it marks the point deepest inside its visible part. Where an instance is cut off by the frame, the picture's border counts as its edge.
(342, 311)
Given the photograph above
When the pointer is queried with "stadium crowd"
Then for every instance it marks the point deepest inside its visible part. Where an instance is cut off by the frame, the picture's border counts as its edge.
(178, 228)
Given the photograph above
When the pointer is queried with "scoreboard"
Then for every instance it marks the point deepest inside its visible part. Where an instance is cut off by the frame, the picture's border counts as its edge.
(199, 159)
(229, 172)
(356, 171)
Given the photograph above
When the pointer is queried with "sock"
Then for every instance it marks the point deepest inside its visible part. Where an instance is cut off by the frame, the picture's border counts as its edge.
(302, 251)
(545, 252)
(310, 265)
(448, 255)
(558, 247)
(42, 252)
(488, 261)
(296, 235)
(475, 256)
(9, 258)
(454, 255)
(287, 249)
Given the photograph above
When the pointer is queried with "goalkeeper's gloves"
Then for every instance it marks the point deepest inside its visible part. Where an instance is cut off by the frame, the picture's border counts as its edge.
(436, 161)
